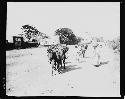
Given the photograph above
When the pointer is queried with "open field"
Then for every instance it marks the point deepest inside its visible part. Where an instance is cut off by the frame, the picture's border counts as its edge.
(28, 73)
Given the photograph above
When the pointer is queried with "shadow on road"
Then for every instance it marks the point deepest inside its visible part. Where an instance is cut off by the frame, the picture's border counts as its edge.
(67, 62)
(103, 63)
(70, 68)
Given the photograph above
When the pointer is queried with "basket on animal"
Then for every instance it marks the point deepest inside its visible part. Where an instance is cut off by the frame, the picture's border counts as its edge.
(57, 55)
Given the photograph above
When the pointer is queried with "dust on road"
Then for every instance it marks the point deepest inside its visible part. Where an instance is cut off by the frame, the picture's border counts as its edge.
(28, 73)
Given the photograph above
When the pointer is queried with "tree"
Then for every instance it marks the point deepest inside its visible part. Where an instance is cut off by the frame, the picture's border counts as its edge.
(66, 36)
(79, 39)
(31, 32)
(114, 44)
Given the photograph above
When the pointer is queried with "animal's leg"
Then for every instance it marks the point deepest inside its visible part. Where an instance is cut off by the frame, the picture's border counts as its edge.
(64, 61)
(58, 61)
(55, 65)
(50, 61)
(64, 64)
(52, 71)
(61, 63)
(52, 68)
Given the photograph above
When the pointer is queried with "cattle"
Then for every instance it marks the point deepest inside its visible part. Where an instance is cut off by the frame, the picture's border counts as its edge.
(57, 56)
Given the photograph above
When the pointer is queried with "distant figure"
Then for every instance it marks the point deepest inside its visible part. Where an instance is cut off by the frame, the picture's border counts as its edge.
(98, 51)
(77, 52)
(90, 52)
(83, 49)
(97, 55)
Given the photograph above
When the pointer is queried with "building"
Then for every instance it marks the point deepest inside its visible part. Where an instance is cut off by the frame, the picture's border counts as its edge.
(18, 41)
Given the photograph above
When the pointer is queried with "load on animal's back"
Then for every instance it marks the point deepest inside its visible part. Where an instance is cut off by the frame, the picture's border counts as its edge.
(57, 55)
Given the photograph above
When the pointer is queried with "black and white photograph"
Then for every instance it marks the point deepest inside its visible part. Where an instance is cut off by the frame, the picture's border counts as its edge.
(63, 49)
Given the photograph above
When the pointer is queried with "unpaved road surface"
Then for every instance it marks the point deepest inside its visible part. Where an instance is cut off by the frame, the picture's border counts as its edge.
(28, 73)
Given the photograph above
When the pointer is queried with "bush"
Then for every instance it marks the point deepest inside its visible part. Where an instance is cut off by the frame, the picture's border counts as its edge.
(115, 44)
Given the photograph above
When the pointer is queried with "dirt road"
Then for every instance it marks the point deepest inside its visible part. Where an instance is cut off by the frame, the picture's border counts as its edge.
(28, 73)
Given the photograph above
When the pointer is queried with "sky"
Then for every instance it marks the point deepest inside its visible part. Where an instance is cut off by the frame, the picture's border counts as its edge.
(96, 18)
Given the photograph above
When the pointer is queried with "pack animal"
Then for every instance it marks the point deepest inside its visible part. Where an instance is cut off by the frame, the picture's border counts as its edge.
(56, 54)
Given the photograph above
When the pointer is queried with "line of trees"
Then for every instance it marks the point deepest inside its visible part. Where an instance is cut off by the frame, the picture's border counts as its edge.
(31, 33)
(66, 35)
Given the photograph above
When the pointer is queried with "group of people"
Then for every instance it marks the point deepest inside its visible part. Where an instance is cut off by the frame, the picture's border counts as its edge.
(91, 51)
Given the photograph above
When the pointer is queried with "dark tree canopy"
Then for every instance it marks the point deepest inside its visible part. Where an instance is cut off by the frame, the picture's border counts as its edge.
(31, 32)
(66, 36)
